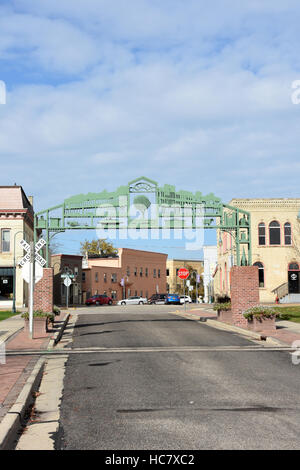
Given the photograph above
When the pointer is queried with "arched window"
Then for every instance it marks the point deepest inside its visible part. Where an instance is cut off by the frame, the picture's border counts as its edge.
(287, 234)
(261, 274)
(261, 234)
(274, 233)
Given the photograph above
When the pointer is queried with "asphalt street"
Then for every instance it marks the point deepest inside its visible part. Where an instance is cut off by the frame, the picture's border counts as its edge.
(152, 398)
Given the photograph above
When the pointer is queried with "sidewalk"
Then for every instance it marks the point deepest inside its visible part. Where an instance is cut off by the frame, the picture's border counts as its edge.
(16, 370)
(286, 333)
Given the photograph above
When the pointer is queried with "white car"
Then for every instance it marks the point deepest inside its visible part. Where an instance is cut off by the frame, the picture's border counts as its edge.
(134, 300)
(185, 299)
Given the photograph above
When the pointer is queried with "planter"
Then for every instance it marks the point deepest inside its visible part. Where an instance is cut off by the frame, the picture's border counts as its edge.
(225, 316)
(39, 325)
(262, 325)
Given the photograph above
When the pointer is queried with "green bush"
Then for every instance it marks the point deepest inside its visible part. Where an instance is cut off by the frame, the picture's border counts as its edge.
(39, 314)
(260, 312)
(222, 306)
(56, 310)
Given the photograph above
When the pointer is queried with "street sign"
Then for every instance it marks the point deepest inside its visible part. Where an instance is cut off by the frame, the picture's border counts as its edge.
(183, 273)
(67, 282)
(198, 278)
(26, 272)
(39, 261)
(64, 276)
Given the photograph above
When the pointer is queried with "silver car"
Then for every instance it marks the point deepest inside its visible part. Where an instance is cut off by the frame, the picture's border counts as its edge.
(134, 300)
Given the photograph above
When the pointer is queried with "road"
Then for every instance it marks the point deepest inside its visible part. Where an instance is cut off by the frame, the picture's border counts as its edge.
(163, 384)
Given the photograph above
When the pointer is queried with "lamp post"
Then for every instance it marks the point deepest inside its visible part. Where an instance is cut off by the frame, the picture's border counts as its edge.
(14, 273)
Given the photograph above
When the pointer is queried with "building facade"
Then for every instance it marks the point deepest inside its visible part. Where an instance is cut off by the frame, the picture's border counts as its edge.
(132, 272)
(275, 235)
(63, 264)
(174, 284)
(210, 255)
(16, 223)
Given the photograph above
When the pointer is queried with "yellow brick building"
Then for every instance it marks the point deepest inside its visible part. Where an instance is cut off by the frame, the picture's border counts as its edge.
(174, 283)
(275, 235)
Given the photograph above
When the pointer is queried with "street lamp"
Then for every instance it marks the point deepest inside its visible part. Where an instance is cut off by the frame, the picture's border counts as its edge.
(14, 273)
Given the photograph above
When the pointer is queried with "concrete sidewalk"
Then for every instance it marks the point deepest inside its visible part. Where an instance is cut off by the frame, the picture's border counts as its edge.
(16, 370)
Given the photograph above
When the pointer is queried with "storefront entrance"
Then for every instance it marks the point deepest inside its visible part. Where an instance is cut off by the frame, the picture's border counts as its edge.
(294, 278)
(6, 284)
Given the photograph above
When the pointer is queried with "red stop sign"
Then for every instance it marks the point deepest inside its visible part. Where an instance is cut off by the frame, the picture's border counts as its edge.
(183, 273)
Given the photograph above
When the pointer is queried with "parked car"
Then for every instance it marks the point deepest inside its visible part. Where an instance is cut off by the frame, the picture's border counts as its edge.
(99, 300)
(185, 299)
(133, 300)
(172, 299)
(157, 299)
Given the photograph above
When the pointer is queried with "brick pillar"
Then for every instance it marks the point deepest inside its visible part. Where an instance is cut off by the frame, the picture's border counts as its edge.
(244, 292)
(43, 292)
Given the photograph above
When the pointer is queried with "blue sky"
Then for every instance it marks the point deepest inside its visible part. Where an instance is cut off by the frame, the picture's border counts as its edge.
(187, 92)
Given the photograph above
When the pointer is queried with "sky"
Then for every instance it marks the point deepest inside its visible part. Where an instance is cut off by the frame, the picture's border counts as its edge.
(186, 92)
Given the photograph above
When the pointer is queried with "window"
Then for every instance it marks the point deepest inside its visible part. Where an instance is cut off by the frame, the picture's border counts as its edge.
(141, 272)
(262, 234)
(261, 274)
(135, 293)
(105, 277)
(83, 277)
(5, 241)
(168, 272)
(146, 272)
(158, 273)
(114, 277)
(135, 271)
(287, 234)
(96, 277)
(128, 271)
(114, 294)
(154, 272)
(293, 267)
(141, 293)
(274, 233)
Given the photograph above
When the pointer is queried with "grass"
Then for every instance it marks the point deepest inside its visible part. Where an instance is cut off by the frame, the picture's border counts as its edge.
(7, 314)
(292, 312)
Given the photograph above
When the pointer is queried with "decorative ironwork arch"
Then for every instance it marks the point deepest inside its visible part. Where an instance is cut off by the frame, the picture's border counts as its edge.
(168, 207)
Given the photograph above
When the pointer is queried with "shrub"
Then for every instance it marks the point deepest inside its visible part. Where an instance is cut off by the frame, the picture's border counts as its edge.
(56, 310)
(39, 314)
(222, 306)
(260, 312)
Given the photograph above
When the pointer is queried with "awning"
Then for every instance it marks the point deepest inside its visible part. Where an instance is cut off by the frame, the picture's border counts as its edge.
(6, 271)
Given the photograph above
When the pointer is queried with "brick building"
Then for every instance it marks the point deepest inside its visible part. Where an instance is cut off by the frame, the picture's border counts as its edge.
(144, 274)
(16, 223)
(275, 235)
(62, 264)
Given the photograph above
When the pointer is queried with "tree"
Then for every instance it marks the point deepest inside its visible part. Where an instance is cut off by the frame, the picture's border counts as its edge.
(98, 247)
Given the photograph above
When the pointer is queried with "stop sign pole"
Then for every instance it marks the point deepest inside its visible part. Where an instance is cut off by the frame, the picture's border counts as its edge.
(183, 274)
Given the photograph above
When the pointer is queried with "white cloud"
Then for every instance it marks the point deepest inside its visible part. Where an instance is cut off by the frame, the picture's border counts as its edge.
(188, 93)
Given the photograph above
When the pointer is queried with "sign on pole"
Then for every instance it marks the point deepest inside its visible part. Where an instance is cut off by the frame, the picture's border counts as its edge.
(183, 273)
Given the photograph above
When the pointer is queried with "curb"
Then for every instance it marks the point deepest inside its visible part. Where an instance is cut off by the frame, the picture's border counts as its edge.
(57, 336)
(12, 421)
(9, 335)
(227, 327)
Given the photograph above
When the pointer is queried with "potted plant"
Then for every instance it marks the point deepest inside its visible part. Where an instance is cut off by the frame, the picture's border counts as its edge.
(41, 320)
(223, 308)
(261, 318)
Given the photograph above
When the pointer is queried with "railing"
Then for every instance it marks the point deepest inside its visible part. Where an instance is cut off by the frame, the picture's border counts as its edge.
(282, 290)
